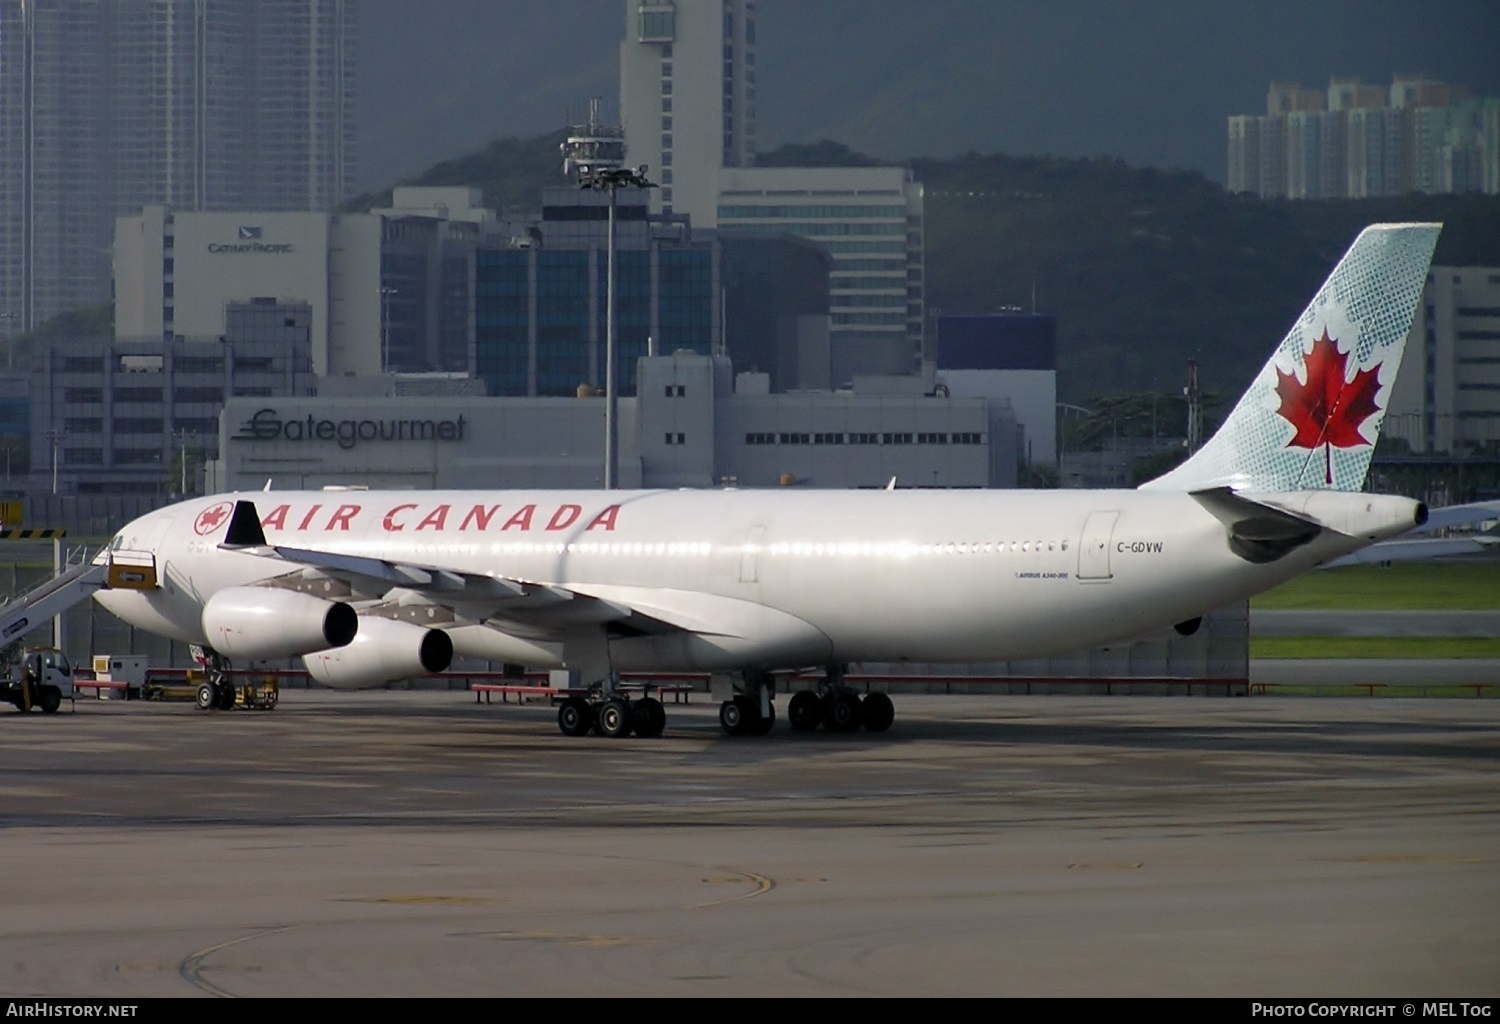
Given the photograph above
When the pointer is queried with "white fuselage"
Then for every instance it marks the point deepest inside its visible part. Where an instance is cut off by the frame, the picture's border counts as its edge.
(763, 579)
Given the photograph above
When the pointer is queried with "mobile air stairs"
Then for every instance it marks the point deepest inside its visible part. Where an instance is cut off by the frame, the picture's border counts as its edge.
(41, 677)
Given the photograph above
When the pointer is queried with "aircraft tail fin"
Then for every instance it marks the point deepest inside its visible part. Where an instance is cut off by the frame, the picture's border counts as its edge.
(1311, 417)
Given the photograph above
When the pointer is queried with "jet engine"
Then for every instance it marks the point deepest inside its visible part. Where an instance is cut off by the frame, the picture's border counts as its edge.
(264, 622)
(382, 652)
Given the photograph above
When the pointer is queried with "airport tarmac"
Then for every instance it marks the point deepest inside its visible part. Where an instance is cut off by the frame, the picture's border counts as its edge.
(417, 843)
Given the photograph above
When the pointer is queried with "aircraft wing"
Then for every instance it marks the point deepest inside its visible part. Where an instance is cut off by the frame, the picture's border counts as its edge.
(1413, 548)
(1452, 516)
(527, 607)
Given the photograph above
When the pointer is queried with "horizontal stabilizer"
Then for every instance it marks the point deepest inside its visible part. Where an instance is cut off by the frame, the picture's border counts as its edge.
(1257, 533)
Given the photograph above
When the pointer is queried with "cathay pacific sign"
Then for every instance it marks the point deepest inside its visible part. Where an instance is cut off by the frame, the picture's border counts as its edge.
(249, 241)
(268, 425)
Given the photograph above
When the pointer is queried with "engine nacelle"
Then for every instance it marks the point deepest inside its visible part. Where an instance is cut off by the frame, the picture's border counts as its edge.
(264, 622)
(382, 652)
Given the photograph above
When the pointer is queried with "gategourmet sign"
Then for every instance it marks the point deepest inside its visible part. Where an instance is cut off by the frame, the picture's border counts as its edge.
(268, 425)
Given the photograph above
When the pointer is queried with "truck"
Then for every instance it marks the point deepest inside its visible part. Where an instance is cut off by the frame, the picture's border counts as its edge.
(39, 678)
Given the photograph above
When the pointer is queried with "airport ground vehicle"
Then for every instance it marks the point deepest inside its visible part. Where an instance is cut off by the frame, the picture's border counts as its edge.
(40, 677)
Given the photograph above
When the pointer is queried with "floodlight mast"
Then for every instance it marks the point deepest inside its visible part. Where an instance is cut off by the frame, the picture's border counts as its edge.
(596, 154)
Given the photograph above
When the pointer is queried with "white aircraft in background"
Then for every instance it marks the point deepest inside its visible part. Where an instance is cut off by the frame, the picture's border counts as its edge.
(374, 586)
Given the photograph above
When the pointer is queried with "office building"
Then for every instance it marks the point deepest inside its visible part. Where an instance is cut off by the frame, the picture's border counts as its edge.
(1447, 395)
(870, 220)
(389, 290)
(541, 296)
(692, 423)
(138, 417)
(1010, 356)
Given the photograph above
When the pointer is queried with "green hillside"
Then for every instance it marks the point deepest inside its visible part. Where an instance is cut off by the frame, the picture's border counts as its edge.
(1143, 268)
(1146, 269)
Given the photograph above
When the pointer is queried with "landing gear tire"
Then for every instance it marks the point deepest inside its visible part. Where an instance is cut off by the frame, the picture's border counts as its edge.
(51, 699)
(879, 712)
(763, 723)
(226, 696)
(575, 717)
(737, 716)
(208, 696)
(616, 718)
(805, 711)
(650, 718)
(843, 713)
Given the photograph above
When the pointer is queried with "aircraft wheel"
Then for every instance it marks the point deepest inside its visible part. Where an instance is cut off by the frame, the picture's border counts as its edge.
(650, 717)
(226, 696)
(51, 699)
(208, 696)
(737, 715)
(805, 711)
(763, 723)
(615, 718)
(575, 717)
(879, 712)
(844, 712)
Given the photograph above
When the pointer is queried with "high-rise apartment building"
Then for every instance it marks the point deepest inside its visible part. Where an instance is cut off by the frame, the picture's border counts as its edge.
(1358, 140)
(107, 106)
(687, 97)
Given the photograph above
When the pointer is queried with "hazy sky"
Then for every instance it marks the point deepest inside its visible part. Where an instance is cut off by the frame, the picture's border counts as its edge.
(1150, 81)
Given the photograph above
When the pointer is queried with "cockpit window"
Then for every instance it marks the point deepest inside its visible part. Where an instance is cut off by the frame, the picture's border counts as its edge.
(118, 542)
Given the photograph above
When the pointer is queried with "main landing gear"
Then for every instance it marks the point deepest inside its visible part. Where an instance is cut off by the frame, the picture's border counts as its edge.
(832, 705)
(217, 692)
(605, 708)
(615, 716)
(752, 709)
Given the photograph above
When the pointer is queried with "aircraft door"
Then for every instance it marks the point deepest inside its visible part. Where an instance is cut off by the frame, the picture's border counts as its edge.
(1093, 546)
(152, 538)
(750, 555)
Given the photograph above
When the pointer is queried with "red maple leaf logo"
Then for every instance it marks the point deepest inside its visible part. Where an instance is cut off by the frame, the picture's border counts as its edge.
(1328, 410)
(209, 519)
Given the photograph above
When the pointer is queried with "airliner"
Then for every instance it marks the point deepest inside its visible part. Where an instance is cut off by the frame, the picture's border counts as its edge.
(370, 587)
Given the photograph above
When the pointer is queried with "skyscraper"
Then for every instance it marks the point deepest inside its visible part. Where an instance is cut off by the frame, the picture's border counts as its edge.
(687, 102)
(109, 105)
(687, 97)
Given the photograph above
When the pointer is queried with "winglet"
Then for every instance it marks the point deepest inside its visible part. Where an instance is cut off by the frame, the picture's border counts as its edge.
(244, 527)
